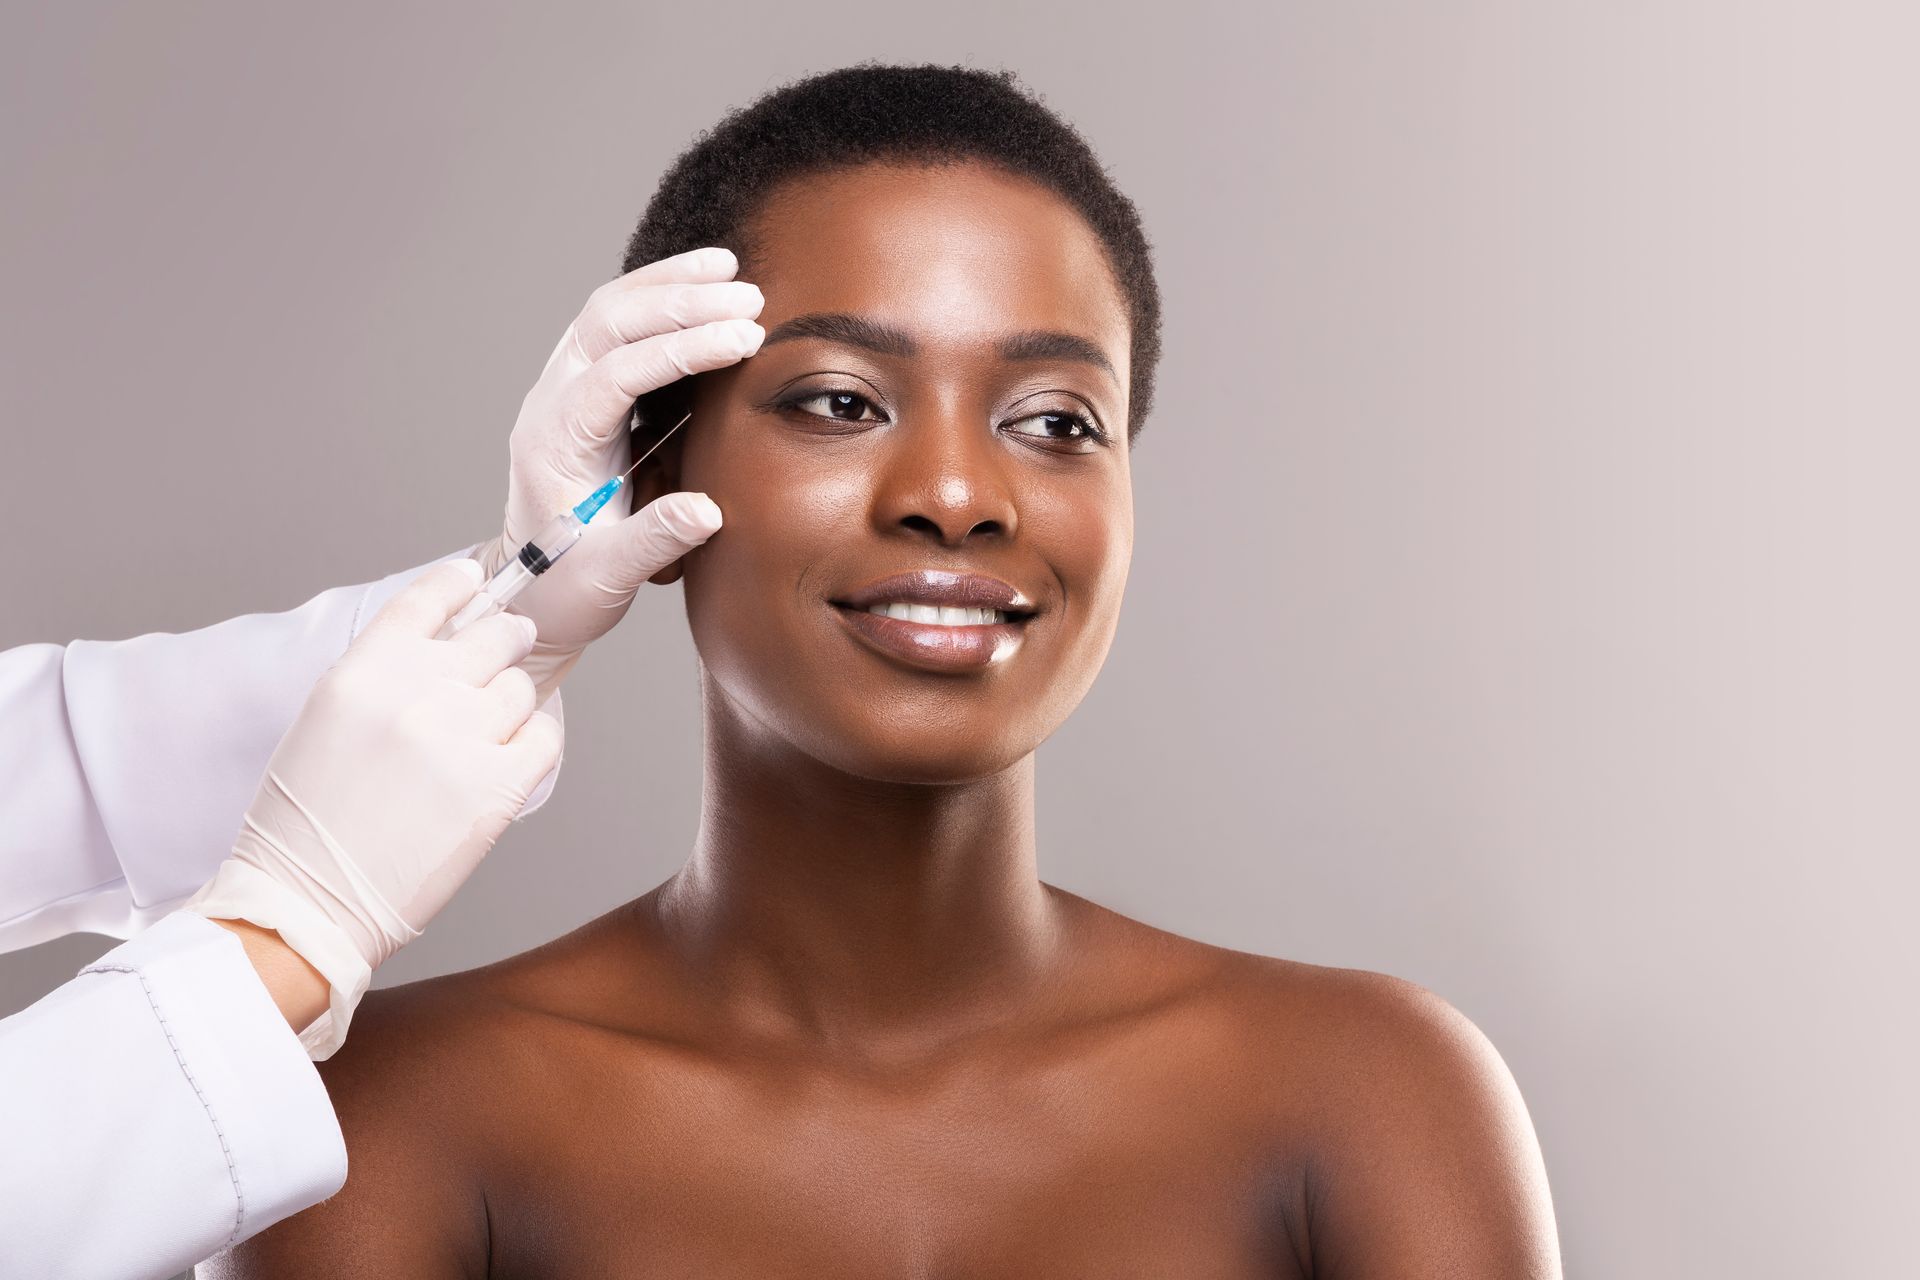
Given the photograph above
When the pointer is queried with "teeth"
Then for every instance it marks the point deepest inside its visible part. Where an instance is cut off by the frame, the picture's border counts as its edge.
(938, 615)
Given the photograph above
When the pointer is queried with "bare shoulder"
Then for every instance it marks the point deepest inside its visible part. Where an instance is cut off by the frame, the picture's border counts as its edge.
(444, 1037)
(1356, 1020)
(1431, 1164)
(1331, 1008)
(1361, 1021)
(1416, 1150)
(1425, 1160)
(1385, 1046)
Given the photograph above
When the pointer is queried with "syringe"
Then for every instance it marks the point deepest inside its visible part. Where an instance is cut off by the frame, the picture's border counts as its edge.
(538, 555)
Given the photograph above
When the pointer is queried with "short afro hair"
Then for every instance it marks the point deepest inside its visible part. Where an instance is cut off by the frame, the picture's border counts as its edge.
(872, 112)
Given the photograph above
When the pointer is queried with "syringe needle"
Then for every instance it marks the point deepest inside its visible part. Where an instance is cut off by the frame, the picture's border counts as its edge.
(656, 444)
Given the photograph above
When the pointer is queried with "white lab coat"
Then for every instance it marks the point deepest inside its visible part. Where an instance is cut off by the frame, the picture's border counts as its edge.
(157, 1108)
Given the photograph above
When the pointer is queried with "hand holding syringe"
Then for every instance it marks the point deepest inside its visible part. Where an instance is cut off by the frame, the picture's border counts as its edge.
(666, 320)
(539, 552)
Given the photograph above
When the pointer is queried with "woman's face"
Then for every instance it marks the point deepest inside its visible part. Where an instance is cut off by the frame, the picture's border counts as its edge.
(932, 336)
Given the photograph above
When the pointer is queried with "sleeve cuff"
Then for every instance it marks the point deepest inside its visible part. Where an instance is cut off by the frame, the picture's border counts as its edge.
(263, 1096)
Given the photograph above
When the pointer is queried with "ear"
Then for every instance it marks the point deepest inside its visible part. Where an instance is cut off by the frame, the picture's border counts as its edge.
(657, 477)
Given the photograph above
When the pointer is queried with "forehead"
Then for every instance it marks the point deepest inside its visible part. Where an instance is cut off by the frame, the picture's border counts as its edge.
(947, 252)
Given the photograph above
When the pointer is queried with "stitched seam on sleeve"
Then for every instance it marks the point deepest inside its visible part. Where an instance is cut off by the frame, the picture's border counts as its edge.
(233, 1171)
(359, 607)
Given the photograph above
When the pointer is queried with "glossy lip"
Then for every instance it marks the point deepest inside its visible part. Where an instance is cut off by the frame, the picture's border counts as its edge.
(934, 646)
(931, 646)
(939, 586)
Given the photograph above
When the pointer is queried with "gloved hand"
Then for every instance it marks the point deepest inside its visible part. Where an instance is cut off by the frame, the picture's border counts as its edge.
(678, 316)
(408, 760)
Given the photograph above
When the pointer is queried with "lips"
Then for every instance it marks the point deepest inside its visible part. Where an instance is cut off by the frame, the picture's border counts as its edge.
(933, 646)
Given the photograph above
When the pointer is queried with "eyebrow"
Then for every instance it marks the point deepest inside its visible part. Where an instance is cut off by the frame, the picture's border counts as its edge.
(882, 339)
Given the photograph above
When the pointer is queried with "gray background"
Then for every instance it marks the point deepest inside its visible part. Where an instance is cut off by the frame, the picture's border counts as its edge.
(1524, 600)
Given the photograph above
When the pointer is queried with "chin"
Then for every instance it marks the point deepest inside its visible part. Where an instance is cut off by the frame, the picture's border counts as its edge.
(930, 752)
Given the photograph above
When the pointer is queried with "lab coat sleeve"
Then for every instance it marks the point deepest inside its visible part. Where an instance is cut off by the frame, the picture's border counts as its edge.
(126, 766)
(155, 1110)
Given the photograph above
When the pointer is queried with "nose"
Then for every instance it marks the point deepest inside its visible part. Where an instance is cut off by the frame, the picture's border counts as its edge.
(946, 476)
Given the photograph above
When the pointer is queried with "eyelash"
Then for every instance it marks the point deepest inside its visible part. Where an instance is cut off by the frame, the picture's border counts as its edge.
(1090, 430)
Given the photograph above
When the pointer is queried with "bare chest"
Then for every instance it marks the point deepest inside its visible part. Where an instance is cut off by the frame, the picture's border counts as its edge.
(1074, 1171)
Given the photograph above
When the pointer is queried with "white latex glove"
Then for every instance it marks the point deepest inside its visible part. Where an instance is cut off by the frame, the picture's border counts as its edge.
(678, 316)
(409, 758)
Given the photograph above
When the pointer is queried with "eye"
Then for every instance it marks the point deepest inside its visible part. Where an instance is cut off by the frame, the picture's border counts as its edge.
(1061, 425)
(845, 406)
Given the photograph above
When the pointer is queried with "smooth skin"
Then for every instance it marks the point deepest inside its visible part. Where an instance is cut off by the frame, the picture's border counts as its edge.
(856, 1035)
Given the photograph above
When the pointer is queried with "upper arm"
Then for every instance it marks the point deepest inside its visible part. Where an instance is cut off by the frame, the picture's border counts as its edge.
(411, 1205)
(1434, 1169)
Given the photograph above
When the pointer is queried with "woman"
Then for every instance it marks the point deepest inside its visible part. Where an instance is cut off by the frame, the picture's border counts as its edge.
(855, 1034)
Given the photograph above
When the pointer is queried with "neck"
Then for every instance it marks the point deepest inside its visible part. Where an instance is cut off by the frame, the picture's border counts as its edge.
(821, 903)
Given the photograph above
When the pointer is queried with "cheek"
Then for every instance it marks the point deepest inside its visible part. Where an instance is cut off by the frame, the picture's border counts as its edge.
(756, 592)
(1089, 542)
(784, 528)
(1088, 536)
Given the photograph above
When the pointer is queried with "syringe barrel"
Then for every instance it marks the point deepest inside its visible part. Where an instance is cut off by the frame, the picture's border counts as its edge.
(562, 532)
(518, 574)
